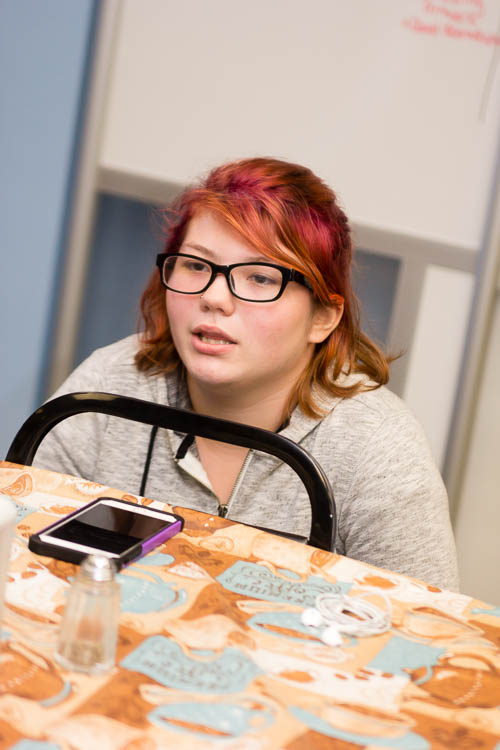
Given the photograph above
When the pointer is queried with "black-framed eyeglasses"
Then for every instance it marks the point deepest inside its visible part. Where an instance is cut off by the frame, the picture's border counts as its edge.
(252, 282)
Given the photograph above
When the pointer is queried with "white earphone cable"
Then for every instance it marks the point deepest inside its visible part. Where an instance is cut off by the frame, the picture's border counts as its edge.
(348, 615)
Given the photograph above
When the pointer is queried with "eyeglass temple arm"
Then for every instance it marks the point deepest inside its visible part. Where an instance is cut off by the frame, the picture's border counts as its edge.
(323, 510)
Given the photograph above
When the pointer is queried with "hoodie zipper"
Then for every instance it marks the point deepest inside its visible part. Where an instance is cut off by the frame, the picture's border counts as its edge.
(224, 507)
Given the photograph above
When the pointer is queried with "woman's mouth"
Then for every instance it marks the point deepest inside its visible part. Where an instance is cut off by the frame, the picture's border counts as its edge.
(213, 336)
(212, 339)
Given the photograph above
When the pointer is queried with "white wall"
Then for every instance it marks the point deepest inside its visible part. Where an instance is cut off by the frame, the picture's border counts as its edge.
(391, 118)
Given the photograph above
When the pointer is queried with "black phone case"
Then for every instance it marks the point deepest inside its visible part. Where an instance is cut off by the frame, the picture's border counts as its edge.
(46, 549)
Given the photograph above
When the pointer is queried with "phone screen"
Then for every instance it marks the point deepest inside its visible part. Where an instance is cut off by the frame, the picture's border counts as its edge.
(109, 528)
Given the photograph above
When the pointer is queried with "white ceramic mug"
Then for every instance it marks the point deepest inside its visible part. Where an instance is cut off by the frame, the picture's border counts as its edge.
(7, 523)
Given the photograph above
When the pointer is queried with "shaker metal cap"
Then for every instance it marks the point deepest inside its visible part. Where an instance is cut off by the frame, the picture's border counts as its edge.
(98, 568)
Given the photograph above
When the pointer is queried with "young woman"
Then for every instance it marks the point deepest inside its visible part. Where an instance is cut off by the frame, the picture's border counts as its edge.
(251, 317)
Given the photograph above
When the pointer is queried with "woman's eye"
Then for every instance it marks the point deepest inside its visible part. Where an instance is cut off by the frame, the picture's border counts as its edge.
(195, 266)
(261, 279)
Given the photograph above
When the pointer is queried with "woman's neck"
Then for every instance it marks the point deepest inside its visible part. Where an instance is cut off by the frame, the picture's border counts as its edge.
(258, 410)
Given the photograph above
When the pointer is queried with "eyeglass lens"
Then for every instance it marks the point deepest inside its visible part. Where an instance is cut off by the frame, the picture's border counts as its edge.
(252, 282)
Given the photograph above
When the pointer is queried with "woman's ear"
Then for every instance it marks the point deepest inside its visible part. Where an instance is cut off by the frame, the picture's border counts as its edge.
(325, 320)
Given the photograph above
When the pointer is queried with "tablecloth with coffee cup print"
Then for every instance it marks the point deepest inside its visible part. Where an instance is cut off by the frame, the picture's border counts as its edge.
(213, 653)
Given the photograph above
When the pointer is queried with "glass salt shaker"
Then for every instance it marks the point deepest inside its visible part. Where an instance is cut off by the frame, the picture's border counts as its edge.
(89, 628)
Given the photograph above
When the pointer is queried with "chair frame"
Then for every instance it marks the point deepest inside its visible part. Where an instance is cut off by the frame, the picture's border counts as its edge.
(323, 510)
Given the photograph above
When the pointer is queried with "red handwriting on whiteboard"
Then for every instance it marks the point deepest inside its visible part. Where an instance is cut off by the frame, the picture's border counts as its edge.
(415, 24)
(454, 19)
(465, 12)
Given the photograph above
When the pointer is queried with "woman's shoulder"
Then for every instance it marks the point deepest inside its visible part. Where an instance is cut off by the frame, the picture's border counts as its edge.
(373, 415)
(119, 354)
(371, 403)
(366, 428)
(112, 369)
(378, 402)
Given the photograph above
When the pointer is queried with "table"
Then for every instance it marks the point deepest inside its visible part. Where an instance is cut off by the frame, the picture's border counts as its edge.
(212, 651)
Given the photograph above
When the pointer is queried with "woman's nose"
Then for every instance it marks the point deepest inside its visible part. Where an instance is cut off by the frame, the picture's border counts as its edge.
(218, 295)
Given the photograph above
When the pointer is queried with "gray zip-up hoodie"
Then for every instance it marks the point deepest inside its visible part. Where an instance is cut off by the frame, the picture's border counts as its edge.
(391, 502)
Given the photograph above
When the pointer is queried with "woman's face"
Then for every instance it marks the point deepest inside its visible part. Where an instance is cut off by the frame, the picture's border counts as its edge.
(242, 347)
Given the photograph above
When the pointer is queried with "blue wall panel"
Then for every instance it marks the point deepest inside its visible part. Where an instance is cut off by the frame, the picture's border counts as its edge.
(44, 49)
(123, 254)
(375, 279)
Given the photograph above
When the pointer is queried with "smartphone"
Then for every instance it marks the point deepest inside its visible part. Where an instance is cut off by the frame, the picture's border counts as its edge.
(115, 528)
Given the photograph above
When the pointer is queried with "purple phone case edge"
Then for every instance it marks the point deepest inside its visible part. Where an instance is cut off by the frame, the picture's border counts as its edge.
(161, 536)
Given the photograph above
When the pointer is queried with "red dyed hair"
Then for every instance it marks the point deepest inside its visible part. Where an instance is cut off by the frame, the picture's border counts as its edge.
(273, 205)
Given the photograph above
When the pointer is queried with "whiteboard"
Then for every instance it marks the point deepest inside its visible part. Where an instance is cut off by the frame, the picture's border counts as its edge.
(395, 103)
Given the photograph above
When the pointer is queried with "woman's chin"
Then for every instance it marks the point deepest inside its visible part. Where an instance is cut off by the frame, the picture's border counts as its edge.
(215, 380)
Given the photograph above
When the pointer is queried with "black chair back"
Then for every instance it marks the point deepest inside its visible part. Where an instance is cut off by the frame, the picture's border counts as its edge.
(323, 511)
